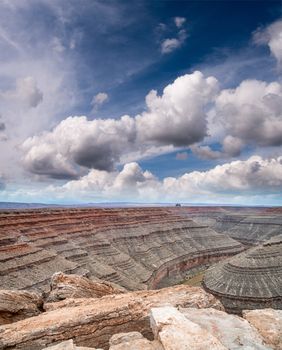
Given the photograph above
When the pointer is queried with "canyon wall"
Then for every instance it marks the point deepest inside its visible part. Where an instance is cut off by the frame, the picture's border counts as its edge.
(136, 248)
(249, 225)
(250, 280)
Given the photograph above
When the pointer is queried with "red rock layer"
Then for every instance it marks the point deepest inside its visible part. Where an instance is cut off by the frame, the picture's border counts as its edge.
(133, 247)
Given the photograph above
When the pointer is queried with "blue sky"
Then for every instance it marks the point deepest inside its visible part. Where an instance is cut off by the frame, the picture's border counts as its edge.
(79, 121)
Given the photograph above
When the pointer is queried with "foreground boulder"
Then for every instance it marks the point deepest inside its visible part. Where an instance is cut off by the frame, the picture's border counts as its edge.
(175, 331)
(232, 331)
(68, 345)
(133, 340)
(18, 305)
(74, 286)
(268, 322)
(92, 322)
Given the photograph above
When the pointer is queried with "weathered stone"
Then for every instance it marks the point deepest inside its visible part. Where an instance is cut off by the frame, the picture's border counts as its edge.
(233, 331)
(18, 305)
(268, 322)
(175, 331)
(250, 280)
(73, 286)
(91, 322)
(68, 345)
(133, 341)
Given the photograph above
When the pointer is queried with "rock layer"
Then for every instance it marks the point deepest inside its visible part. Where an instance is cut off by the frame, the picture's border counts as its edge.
(73, 286)
(250, 280)
(18, 305)
(137, 248)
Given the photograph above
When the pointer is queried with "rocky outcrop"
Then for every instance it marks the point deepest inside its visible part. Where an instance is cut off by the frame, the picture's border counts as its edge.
(250, 280)
(197, 329)
(73, 286)
(268, 323)
(91, 322)
(137, 248)
(18, 305)
(133, 340)
(69, 345)
(175, 331)
(232, 331)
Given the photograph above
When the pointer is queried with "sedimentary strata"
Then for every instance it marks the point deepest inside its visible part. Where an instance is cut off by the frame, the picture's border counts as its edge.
(250, 280)
(17, 305)
(136, 248)
(247, 225)
(73, 286)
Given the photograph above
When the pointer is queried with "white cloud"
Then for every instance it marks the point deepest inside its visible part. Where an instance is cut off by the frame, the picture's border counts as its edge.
(171, 44)
(251, 113)
(272, 36)
(252, 177)
(99, 99)
(179, 21)
(176, 118)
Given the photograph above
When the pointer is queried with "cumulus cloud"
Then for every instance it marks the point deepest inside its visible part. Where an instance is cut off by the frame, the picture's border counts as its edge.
(271, 36)
(254, 176)
(77, 142)
(26, 92)
(176, 118)
(130, 182)
(179, 21)
(251, 113)
(231, 147)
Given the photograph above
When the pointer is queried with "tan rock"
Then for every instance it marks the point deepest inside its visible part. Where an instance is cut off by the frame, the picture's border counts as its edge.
(18, 305)
(175, 331)
(92, 322)
(233, 331)
(68, 345)
(268, 322)
(133, 341)
(74, 286)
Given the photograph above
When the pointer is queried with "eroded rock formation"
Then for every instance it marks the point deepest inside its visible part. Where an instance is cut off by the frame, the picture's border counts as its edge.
(92, 321)
(73, 286)
(137, 248)
(17, 305)
(250, 280)
(246, 225)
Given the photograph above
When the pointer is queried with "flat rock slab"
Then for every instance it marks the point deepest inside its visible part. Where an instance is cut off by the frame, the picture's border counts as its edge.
(133, 341)
(233, 331)
(175, 331)
(269, 324)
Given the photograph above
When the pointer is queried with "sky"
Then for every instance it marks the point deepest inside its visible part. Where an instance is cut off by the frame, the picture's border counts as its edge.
(148, 101)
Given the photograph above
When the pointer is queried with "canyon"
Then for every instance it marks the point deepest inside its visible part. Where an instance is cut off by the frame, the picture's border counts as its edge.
(110, 278)
(137, 248)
